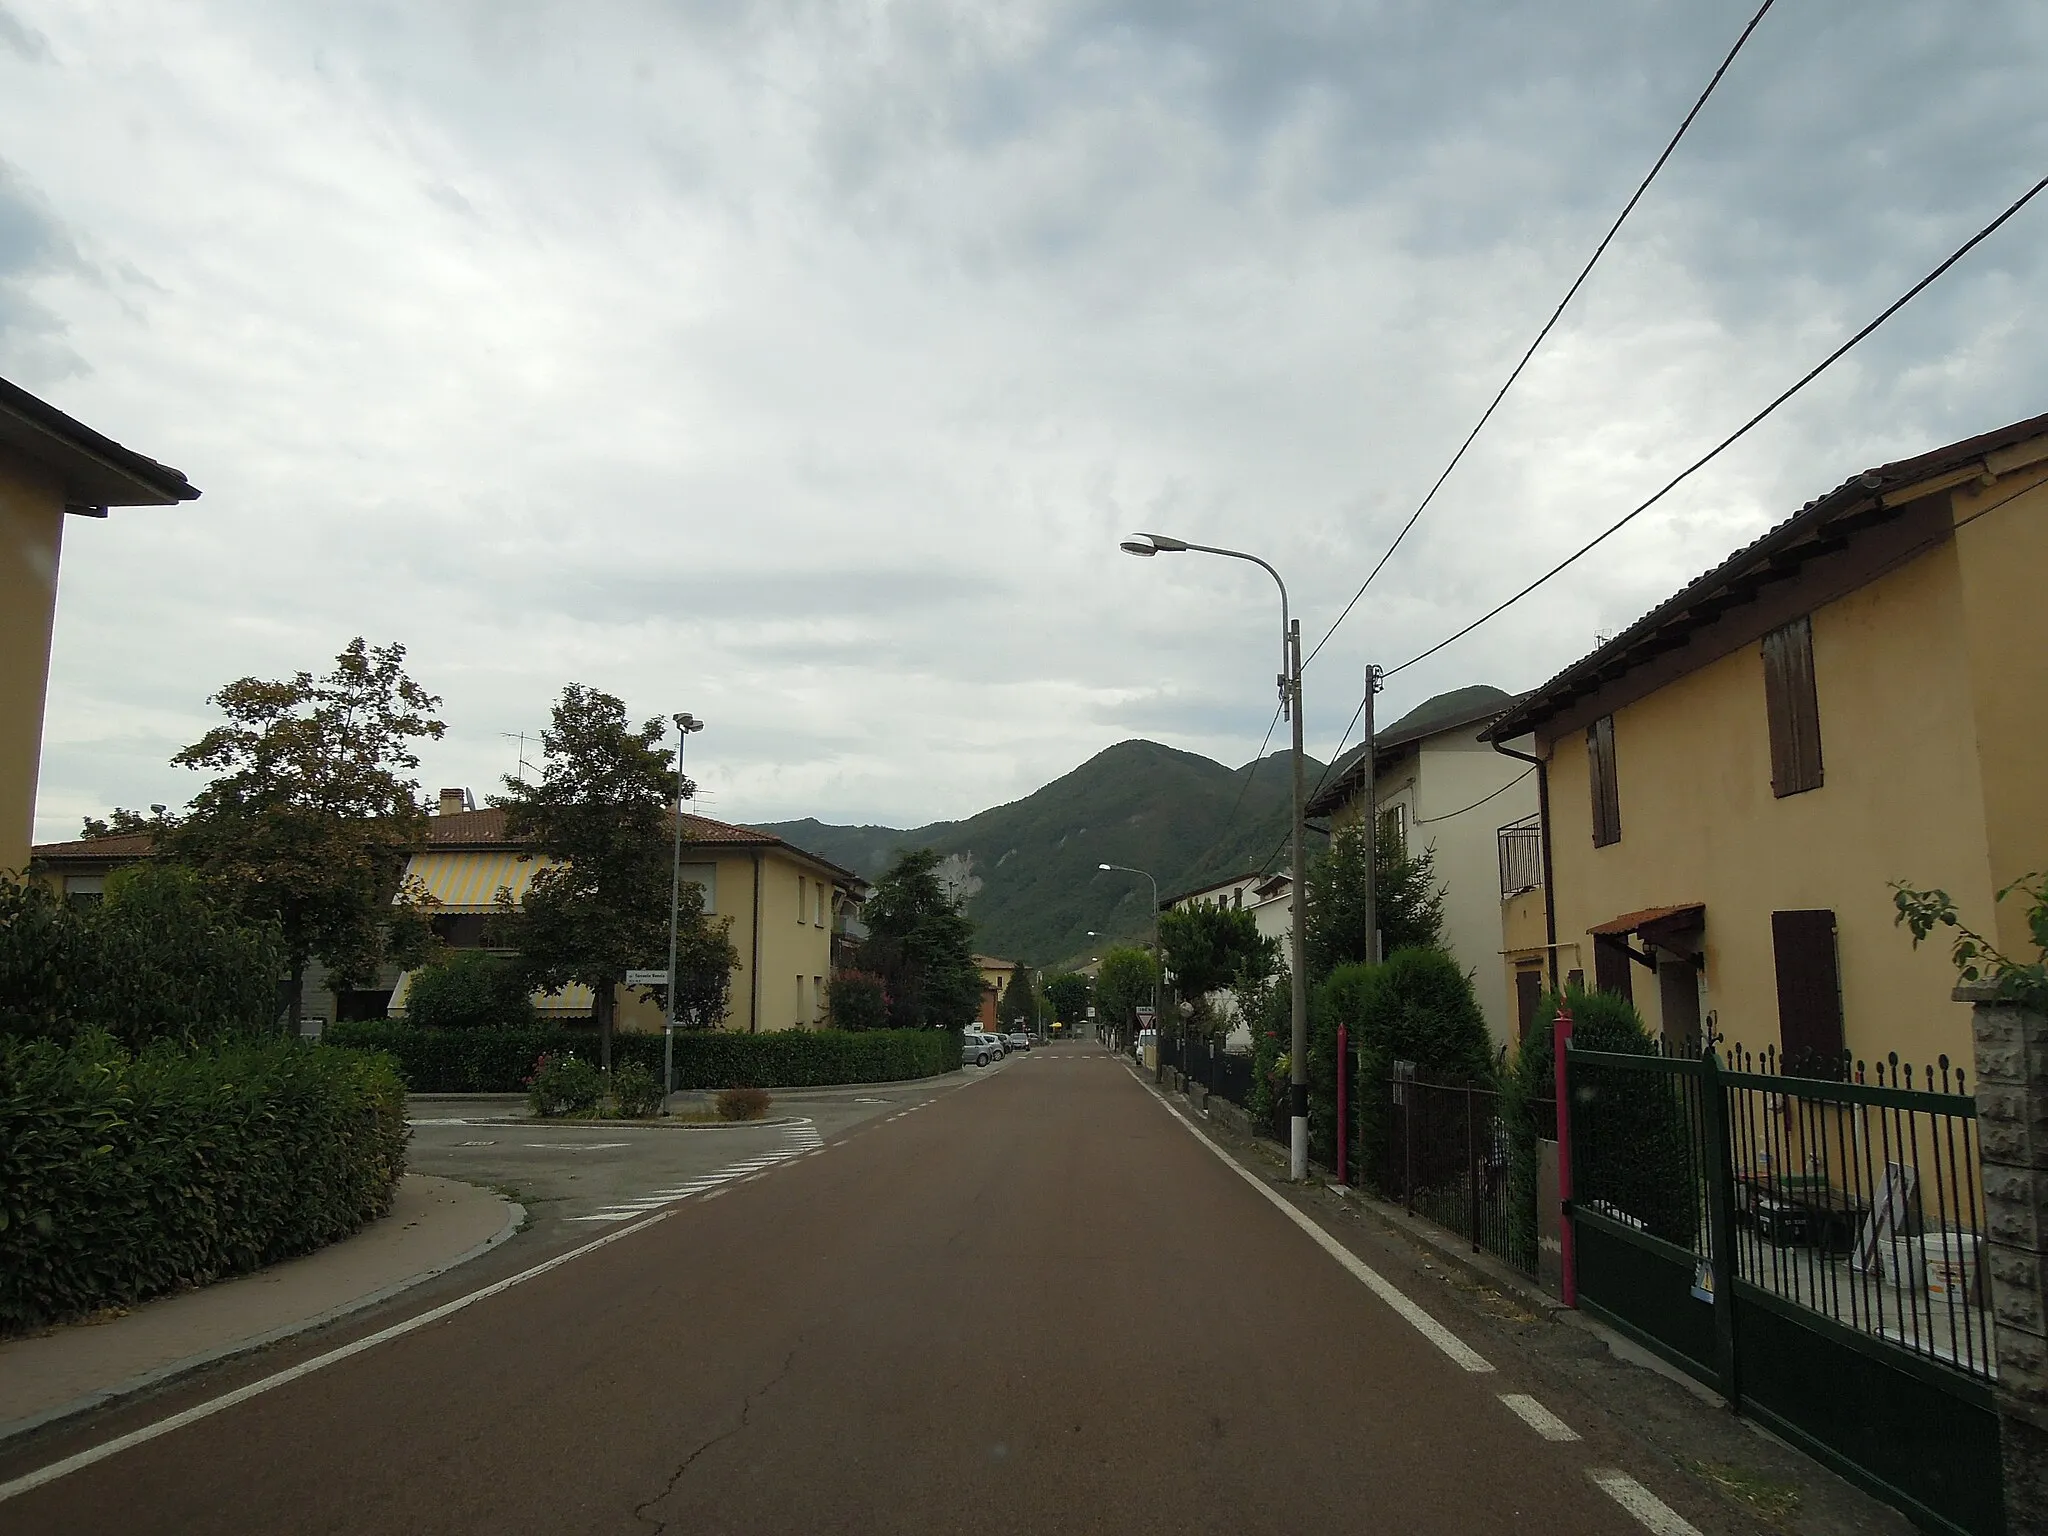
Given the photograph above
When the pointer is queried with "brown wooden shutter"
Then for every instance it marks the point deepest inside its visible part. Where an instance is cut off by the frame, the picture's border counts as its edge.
(1600, 774)
(1793, 707)
(1611, 966)
(1809, 990)
(1528, 998)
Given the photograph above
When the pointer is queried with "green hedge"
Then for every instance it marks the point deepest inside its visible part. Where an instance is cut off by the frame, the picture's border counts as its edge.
(125, 1176)
(501, 1060)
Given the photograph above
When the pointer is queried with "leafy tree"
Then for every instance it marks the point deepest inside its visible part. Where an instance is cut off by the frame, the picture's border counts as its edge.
(469, 989)
(311, 814)
(1211, 948)
(600, 813)
(1126, 981)
(1067, 996)
(857, 1000)
(1411, 902)
(1019, 1006)
(705, 961)
(921, 945)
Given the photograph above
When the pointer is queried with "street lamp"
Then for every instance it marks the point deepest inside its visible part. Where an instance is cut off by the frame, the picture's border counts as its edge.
(686, 726)
(1147, 545)
(1158, 959)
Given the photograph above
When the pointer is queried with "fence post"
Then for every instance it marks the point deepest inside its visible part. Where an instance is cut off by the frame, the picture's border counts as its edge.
(1720, 1222)
(2012, 1147)
(1471, 1169)
(1343, 1101)
(1408, 1143)
(1560, 1067)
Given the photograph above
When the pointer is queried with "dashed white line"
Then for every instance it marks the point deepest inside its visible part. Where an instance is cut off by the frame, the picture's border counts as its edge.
(1538, 1417)
(1653, 1512)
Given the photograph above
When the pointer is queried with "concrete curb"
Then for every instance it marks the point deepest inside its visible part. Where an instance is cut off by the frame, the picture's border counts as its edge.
(515, 1217)
(566, 1123)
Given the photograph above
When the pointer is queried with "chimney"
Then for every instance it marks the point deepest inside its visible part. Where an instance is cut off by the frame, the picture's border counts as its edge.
(454, 800)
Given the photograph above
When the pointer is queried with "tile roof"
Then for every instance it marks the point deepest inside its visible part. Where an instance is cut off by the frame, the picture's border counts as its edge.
(1469, 705)
(1829, 517)
(486, 828)
(121, 846)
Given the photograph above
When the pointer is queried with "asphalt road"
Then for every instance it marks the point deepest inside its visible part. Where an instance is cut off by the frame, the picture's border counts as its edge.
(1031, 1303)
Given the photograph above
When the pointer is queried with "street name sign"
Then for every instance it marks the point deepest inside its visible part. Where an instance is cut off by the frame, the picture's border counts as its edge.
(647, 978)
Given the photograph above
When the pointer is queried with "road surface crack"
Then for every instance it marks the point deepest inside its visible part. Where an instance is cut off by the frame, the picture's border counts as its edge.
(746, 1416)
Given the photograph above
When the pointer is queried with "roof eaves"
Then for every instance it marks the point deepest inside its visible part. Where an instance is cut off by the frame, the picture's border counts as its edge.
(94, 465)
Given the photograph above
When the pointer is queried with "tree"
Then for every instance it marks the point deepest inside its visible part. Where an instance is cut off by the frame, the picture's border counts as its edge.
(921, 945)
(1411, 902)
(469, 989)
(1067, 996)
(857, 1000)
(1126, 981)
(601, 907)
(311, 815)
(1019, 1006)
(1211, 948)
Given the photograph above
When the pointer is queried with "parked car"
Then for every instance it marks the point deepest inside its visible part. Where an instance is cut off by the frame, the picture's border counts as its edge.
(977, 1050)
(995, 1041)
(1017, 1040)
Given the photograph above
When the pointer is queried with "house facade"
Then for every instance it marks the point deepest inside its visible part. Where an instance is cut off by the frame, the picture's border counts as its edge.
(51, 468)
(1734, 783)
(1439, 785)
(996, 976)
(784, 905)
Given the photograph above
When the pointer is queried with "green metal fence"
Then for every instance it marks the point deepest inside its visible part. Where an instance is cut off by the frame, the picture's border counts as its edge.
(1808, 1246)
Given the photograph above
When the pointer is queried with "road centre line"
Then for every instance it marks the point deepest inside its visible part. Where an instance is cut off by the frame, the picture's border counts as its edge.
(1538, 1417)
(1466, 1357)
(1632, 1496)
(30, 1481)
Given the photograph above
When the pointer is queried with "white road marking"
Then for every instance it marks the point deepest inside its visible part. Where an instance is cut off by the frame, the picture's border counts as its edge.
(437, 1122)
(801, 1137)
(1632, 1496)
(83, 1459)
(1466, 1357)
(1538, 1417)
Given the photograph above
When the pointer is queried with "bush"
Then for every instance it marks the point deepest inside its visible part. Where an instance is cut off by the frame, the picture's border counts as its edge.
(563, 1083)
(470, 989)
(857, 1000)
(743, 1104)
(1418, 1006)
(156, 959)
(636, 1093)
(125, 1176)
(501, 1060)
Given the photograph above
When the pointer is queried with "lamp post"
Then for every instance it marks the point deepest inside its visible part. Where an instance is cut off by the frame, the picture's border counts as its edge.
(1147, 545)
(686, 725)
(1158, 960)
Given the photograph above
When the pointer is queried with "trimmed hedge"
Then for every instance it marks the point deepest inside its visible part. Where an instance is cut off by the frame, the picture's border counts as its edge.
(126, 1176)
(501, 1060)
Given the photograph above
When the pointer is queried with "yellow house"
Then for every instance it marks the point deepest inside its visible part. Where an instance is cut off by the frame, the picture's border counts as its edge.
(996, 975)
(1731, 784)
(50, 466)
(782, 903)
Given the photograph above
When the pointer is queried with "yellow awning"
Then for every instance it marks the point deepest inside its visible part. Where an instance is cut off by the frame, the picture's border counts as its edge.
(470, 882)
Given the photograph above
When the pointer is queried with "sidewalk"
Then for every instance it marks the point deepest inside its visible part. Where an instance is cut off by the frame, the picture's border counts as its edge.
(434, 1225)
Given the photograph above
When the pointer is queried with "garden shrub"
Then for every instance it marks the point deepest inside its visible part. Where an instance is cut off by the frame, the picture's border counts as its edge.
(1418, 1005)
(501, 1060)
(636, 1092)
(743, 1104)
(563, 1083)
(470, 989)
(124, 1176)
(857, 1000)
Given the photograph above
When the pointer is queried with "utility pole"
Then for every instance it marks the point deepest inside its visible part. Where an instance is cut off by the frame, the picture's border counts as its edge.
(1297, 1059)
(1373, 683)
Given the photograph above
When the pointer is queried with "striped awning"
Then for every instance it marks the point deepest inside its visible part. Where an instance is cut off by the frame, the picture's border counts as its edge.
(470, 881)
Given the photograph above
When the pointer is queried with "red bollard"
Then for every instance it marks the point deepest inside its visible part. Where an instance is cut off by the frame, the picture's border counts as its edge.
(1568, 1262)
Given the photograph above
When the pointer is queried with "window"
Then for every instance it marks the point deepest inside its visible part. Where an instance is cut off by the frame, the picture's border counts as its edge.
(818, 888)
(1600, 774)
(1611, 965)
(1528, 998)
(800, 997)
(803, 901)
(817, 998)
(1394, 825)
(85, 890)
(1793, 707)
(705, 878)
(1809, 992)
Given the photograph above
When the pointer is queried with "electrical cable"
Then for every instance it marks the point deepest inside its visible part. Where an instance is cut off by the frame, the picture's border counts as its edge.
(1430, 821)
(1570, 293)
(1738, 434)
(1230, 821)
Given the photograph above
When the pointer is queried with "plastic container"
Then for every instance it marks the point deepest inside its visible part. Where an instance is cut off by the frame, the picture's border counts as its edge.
(1949, 1262)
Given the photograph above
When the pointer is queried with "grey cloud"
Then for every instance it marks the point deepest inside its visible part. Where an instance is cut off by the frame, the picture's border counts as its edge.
(22, 40)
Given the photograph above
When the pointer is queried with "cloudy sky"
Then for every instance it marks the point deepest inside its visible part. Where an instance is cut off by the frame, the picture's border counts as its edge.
(800, 365)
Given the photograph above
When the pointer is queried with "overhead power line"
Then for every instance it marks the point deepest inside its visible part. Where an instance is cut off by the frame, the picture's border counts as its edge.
(1739, 433)
(1570, 293)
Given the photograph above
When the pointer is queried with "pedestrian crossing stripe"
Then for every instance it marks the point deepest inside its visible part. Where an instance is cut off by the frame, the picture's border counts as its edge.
(801, 1139)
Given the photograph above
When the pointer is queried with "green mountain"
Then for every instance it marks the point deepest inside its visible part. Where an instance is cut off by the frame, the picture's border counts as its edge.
(1180, 816)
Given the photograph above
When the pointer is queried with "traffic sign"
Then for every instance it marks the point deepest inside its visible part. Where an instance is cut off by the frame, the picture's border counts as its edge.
(647, 978)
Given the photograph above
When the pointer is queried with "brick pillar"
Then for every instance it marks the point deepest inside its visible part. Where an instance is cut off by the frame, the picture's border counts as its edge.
(2012, 1129)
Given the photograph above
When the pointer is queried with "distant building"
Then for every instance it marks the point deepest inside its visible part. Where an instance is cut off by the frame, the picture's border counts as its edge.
(51, 467)
(996, 977)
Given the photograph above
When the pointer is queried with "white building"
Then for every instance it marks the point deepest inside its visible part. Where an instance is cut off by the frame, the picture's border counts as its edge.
(1270, 900)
